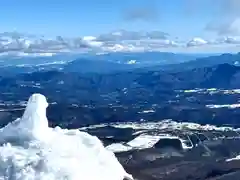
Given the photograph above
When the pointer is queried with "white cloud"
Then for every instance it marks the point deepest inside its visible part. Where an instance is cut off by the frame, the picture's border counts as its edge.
(228, 22)
(225, 27)
(232, 40)
(197, 42)
(122, 35)
(89, 38)
(91, 41)
(117, 41)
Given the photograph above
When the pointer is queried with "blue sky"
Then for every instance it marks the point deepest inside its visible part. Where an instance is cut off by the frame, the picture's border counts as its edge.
(179, 18)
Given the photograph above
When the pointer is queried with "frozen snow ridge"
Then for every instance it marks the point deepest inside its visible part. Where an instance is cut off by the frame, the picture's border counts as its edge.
(31, 150)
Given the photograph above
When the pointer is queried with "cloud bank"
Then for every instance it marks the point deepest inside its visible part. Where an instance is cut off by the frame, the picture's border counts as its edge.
(115, 41)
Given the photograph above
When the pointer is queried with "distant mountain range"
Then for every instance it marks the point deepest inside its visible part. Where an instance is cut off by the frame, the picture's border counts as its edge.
(115, 62)
(85, 63)
(219, 76)
(123, 95)
(201, 62)
(107, 76)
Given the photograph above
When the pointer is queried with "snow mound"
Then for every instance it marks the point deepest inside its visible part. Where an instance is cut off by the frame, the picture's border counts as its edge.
(31, 150)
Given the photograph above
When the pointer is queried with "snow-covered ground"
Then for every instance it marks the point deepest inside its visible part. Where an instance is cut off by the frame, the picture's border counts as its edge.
(30, 150)
(143, 141)
(234, 159)
(230, 106)
(161, 125)
(211, 91)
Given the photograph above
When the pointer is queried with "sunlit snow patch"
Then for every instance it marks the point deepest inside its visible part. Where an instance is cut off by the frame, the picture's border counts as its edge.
(234, 159)
(143, 141)
(30, 150)
(132, 62)
(146, 111)
(216, 106)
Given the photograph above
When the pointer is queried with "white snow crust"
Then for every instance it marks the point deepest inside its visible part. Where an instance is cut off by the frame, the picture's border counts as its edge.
(30, 150)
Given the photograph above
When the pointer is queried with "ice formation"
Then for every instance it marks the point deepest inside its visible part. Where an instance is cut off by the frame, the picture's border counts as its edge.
(30, 150)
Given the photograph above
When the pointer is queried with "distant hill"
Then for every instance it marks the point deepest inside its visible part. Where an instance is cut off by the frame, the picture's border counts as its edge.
(91, 63)
(114, 62)
(147, 58)
(233, 59)
(95, 66)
